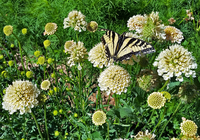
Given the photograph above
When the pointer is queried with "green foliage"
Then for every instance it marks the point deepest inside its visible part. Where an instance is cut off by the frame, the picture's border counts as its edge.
(130, 113)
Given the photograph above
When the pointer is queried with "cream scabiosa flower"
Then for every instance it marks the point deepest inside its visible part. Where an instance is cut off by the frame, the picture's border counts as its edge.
(173, 34)
(8, 30)
(69, 45)
(75, 20)
(92, 26)
(22, 96)
(99, 118)
(78, 54)
(156, 100)
(97, 56)
(50, 28)
(136, 22)
(188, 127)
(174, 62)
(147, 27)
(114, 79)
(144, 136)
(45, 85)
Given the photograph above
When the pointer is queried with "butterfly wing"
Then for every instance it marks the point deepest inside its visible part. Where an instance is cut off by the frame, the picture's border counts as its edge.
(129, 46)
(110, 41)
(120, 47)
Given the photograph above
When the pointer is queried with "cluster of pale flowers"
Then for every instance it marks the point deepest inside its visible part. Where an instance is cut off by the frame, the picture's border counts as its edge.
(149, 27)
(75, 20)
(22, 96)
(97, 56)
(114, 79)
(77, 51)
(175, 61)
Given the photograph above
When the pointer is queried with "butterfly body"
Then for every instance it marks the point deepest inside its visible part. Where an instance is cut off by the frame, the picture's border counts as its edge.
(120, 47)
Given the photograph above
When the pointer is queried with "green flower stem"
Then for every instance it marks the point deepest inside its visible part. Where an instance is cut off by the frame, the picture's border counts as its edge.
(37, 125)
(164, 85)
(107, 130)
(159, 120)
(108, 101)
(116, 106)
(151, 115)
(182, 20)
(58, 38)
(99, 96)
(77, 36)
(169, 120)
(20, 50)
(97, 101)
(44, 67)
(12, 127)
(45, 117)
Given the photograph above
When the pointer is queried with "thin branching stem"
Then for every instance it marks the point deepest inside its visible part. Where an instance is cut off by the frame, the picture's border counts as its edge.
(169, 120)
(45, 117)
(37, 125)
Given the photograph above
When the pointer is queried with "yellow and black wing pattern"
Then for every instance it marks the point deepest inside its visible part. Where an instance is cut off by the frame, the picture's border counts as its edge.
(120, 47)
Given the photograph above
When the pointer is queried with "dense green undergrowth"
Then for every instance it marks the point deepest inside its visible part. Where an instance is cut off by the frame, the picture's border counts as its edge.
(75, 88)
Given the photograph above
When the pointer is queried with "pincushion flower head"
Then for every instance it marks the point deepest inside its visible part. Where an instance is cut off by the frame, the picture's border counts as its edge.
(37, 53)
(188, 127)
(136, 22)
(75, 20)
(92, 26)
(50, 28)
(78, 54)
(29, 74)
(156, 100)
(114, 79)
(41, 60)
(144, 136)
(99, 118)
(147, 27)
(175, 61)
(45, 85)
(148, 80)
(69, 45)
(8, 30)
(47, 43)
(173, 34)
(97, 56)
(153, 29)
(24, 31)
(187, 92)
(22, 96)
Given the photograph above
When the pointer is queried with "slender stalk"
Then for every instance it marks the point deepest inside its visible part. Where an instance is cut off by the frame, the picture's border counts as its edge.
(20, 50)
(77, 36)
(45, 117)
(58, 38)
(108, 130)
(98, 98)
(159, 120)
(37, 126)
(116, 106)
(151, 115)
(44, 67)
(164, 85)
(169, 120)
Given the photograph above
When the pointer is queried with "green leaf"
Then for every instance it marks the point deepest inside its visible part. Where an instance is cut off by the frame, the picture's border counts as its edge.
(125, 112)
(96, 135)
